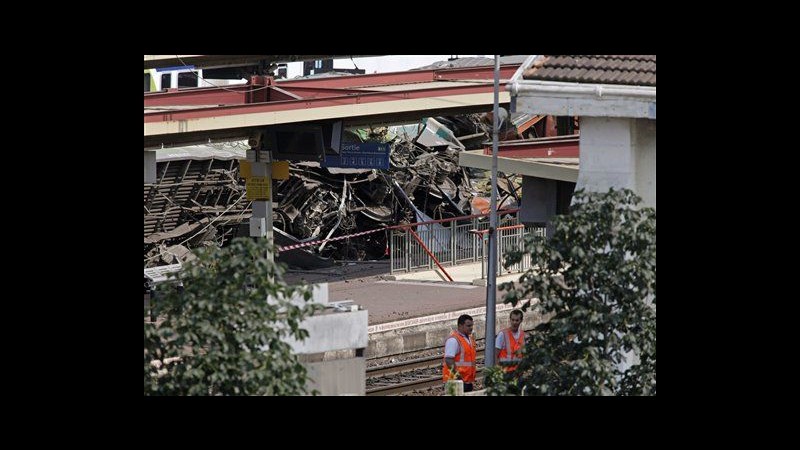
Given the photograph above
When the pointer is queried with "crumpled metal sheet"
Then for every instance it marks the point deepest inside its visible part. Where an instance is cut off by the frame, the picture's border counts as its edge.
(204, 203)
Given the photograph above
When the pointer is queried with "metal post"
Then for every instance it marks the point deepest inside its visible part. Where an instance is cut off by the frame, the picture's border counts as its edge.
(475, 243)
(500, 243)
(430, 253)
(408, 250)
(453, 241)
(484, 258)
(429, 244)
(390, 243)
(491, 284)
(261, 220)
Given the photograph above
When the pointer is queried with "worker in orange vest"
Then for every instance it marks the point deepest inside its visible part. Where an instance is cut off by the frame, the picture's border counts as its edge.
(459, 353)
(510, 343)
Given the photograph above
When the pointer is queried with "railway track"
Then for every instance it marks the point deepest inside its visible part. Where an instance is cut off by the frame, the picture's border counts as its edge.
(407, 376)
(414, 374)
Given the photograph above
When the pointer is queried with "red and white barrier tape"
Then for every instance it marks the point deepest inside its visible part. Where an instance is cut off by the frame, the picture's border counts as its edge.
(308, 244)
(393, 227)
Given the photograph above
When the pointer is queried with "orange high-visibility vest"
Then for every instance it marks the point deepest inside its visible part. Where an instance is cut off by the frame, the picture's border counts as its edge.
(511, 353)
(464, 359)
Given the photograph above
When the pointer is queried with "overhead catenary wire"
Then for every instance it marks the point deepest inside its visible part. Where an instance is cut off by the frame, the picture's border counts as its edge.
(194, 72)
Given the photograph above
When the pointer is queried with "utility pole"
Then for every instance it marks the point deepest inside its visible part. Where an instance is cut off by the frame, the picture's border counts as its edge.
(259, 189)
(491, 285)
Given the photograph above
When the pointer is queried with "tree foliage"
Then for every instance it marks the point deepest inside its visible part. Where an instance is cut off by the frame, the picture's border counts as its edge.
(595, 279)
(221, 335)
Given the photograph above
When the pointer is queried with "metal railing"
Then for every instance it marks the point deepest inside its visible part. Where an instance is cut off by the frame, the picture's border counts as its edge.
(455, 241)
(510, 238)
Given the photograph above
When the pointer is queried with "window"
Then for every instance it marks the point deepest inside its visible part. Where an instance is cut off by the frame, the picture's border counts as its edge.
(187, 79)
(166, 81)
(147, 82)
(318, 64)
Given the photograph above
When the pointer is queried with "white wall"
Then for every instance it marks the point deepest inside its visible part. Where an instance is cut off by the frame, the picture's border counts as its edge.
(644, 141)
(329, 331)
(620, 153)
(332, 331)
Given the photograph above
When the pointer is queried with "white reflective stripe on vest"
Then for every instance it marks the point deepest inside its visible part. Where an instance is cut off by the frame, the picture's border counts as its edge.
(509, 358)
(463, 363)
(463, 351)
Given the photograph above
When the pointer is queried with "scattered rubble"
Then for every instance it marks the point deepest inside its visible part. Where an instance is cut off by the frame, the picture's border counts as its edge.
(200, 200)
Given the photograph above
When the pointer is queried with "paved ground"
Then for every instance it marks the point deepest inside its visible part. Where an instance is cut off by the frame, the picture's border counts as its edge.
(411, 295)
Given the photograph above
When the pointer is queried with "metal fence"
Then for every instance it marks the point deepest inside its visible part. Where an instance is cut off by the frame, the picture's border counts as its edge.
(453, 242)
(511, 239)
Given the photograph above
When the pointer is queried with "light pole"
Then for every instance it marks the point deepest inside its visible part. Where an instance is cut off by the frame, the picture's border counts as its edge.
(491, 288)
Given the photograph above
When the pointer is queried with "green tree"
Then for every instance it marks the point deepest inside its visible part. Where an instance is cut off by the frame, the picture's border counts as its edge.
(221, 335)
(595, 279)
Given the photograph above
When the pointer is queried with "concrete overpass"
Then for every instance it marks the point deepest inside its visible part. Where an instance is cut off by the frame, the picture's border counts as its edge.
(197, 115)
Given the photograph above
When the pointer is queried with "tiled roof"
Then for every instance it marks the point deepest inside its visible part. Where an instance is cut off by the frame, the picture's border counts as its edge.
(638, 70)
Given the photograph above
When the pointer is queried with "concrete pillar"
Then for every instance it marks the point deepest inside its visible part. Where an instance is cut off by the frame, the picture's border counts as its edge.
(606, 154)
(644, 142)
(619, 153)
(333, 352)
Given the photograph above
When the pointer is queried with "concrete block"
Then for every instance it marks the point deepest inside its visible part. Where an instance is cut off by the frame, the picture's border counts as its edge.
(337, 331)
(338, 377)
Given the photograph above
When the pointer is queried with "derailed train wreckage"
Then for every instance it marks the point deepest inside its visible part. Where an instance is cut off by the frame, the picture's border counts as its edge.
(199, 202)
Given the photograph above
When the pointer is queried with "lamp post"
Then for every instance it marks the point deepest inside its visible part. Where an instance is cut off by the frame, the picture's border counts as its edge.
(491, 288)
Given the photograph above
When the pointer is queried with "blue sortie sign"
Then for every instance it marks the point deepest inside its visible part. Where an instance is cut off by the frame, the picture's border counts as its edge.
(367, 155)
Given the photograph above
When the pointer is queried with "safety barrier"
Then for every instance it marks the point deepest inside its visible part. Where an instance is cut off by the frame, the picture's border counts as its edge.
(455, 241)
(510, 238)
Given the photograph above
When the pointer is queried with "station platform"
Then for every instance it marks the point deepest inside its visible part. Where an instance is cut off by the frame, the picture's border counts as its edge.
(389, 297)
(412, 311)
